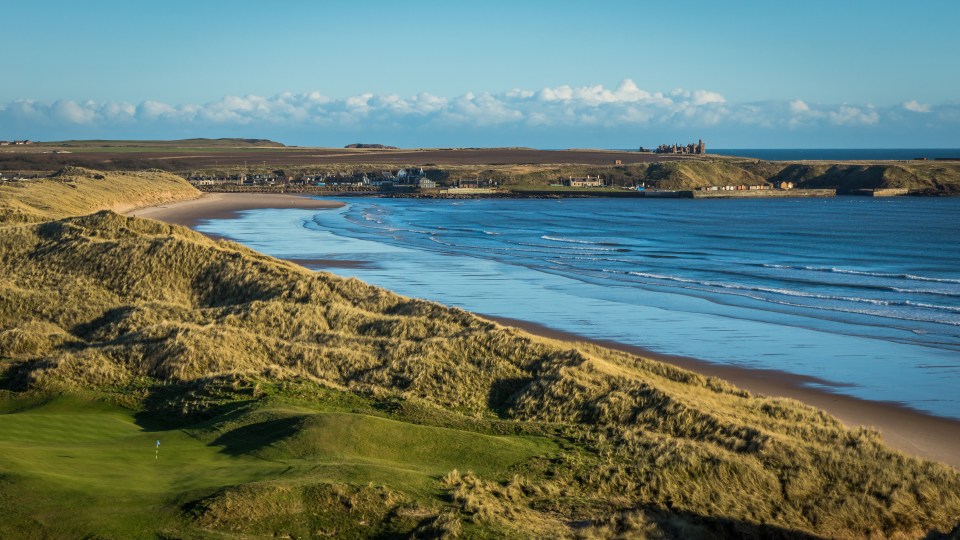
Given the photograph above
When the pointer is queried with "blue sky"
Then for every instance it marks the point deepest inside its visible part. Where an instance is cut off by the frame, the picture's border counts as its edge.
(461, 73)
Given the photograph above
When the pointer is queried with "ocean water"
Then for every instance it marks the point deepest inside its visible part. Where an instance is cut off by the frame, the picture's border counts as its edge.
(861, 293)
(839, 154)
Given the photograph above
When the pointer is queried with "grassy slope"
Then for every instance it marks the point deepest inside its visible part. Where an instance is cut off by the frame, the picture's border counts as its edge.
(293, 402)
(845, 177)
(76, 191)
(696, 173)
(940, 177)
(692, 174)
(72, 467)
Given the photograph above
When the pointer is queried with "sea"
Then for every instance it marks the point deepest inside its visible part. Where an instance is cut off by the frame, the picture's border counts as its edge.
(839, 154)
(861, 295)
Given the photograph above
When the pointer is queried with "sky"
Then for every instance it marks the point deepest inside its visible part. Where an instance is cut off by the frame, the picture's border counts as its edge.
(560, 74)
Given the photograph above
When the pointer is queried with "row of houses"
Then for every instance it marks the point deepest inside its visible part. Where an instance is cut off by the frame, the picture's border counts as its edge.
(16, 143)
(744, 187)
(589, 181)
(409, 177)
(475, 183)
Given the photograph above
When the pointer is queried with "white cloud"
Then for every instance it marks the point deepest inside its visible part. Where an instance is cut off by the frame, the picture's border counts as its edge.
(703, 97)
(916, 106)
(151, 110)
(798, 106)
(561, 93)
(849, 115)
(564, 108)
(73, 112)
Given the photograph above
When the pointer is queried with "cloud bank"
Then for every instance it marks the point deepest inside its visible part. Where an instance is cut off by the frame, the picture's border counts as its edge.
(587, 116)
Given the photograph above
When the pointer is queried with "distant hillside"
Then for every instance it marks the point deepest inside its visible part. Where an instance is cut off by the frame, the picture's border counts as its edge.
(931, 177)
(76, 191)
(689, 174)
(293, 403)
(693, 174)
(366, 145)
(176, 143)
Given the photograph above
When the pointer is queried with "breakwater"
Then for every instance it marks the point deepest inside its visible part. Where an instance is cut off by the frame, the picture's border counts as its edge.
(764, 193)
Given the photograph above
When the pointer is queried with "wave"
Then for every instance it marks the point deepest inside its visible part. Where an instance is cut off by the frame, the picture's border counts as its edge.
(926, 291)
(441, 242)
(568, 240)
(884, 314)
(793, 293)
(954, 309)
(745, 291)
(576, 241)
(367, 224)
(834, 270)
(567, 248)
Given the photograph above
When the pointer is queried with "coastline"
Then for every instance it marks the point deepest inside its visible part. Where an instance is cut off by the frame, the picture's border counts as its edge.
(902, 428)
(225, 206)
(905, 429)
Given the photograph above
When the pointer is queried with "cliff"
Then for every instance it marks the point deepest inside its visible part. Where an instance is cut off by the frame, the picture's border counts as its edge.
(928, 177)
(944, 178)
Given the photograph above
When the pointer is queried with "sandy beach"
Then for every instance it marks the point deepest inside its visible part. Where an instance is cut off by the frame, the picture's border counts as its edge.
(905, 429)
(225, 206)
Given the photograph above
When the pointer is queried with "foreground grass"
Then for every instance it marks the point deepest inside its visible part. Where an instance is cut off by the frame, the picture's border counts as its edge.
(297, 403)
(71, 468)
(74, 466)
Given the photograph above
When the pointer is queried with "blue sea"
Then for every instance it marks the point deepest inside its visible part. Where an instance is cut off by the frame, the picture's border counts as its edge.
(861, 293)
(838, 154)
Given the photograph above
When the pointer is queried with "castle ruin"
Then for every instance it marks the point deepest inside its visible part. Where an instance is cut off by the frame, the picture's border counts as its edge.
(699, 148)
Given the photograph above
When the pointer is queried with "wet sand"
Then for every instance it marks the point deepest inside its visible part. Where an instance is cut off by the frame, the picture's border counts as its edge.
(314, 264)
(902, 428)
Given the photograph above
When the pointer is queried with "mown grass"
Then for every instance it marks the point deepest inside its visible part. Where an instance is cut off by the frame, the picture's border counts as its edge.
(300, 403)
(74, 466)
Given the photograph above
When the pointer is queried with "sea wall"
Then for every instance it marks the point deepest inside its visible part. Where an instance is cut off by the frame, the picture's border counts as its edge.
(764, 193)
(888, 192)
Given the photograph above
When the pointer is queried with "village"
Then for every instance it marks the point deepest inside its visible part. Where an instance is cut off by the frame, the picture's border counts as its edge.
(413, 179)
(436, 181)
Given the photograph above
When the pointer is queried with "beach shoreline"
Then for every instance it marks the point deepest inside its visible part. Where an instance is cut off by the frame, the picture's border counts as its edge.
(905, 429)
(189, 213)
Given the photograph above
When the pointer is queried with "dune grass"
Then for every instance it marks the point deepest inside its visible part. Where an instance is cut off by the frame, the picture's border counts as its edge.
(76, 191)
(299, 403)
